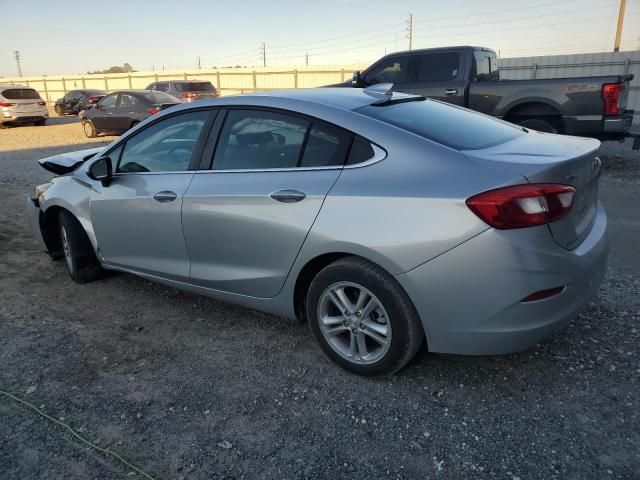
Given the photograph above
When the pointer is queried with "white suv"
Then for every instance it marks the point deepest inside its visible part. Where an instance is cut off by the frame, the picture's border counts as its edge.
(20, 105)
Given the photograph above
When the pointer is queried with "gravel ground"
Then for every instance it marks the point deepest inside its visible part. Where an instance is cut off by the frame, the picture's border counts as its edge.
(188, 387)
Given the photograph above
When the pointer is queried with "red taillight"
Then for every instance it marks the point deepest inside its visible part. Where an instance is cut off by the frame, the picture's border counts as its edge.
(188, 95)
(42, 104)
(153, 111)
(542, 294)
(93, 99)
(7, 104)
(611, 95)
(522, 206)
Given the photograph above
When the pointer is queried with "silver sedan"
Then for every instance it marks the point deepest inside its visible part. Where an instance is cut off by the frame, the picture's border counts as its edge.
(385, 221)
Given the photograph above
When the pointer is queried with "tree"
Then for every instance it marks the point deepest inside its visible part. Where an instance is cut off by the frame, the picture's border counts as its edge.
(126, 68)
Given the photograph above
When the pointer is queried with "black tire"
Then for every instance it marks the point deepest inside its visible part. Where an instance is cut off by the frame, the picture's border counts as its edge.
(89, 129)
(547, 125)
(41, 123)
(80, 259)
(133, 124)
(407, 331)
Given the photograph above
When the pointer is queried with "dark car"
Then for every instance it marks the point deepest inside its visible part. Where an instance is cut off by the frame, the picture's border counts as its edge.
(593, 106)
(186, 90)
(119, 111)
(77, 100)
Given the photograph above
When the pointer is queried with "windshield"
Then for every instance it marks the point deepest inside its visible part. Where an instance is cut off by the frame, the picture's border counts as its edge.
(452, 126)
(195, 87)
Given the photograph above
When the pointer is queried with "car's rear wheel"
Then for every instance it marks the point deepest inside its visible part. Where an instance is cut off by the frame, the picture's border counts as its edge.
(89, 129)
(362, 318)
(81, 261)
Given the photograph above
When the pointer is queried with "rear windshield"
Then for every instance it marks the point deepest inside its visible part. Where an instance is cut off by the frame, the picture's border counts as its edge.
(195, 87)
(454, 127)
(21, 94)
(159, 97)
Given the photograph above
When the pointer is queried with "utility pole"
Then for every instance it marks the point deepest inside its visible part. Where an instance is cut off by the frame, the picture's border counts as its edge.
(198, 62)
(306, 59)
(623, 6)
(17, 55)
(263, 53)
(410, 31)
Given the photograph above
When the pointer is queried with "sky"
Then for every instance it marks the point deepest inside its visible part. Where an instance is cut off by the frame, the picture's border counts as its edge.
(73, 37)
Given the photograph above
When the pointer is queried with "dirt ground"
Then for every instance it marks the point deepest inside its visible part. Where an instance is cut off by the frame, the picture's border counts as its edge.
(190, 388)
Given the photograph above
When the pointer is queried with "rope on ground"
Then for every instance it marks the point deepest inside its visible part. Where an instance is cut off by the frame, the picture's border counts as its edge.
(105, 451)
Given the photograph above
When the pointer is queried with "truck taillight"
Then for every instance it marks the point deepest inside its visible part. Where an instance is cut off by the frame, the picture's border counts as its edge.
(522, 206)
(611, 93)
(188, 95)
(153, 111)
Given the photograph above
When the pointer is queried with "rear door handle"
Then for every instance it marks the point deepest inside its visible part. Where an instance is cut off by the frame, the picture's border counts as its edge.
(288, 196)
(165, 196)
(451, 91)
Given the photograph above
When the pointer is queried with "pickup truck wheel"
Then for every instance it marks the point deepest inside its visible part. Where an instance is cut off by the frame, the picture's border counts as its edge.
(82, 264)
(539, 124)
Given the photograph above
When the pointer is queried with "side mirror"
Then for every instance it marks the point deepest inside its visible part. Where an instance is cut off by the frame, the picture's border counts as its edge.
(101, 170)
(356, 82)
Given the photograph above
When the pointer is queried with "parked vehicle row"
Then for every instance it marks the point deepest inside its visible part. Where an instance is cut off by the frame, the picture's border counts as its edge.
(385, 220)
(20, 105)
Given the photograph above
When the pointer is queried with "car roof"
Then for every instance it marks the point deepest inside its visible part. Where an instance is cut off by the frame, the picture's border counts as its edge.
(341, 98)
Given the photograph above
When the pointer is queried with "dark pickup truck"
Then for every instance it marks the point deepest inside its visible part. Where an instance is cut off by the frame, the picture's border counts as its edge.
(469, 76)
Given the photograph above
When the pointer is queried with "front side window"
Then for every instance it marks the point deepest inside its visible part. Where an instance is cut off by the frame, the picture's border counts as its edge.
(108, 102)
(255, 139)
(392, 70)
(166, 146)
(438, 67)
(163, 87)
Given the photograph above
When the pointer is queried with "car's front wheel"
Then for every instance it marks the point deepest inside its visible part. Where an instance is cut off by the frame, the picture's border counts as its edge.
(362, 318)
(82, 264)
(89, 129)
(58, 109)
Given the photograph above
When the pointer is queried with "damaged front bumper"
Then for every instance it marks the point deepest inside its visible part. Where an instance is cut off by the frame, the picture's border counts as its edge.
(34, 217)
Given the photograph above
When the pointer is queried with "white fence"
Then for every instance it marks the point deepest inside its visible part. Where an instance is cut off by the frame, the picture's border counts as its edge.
(579, 65)
(240, 80)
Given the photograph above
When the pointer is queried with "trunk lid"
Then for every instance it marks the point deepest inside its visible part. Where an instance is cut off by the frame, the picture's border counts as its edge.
(547, 158)
(67, 162)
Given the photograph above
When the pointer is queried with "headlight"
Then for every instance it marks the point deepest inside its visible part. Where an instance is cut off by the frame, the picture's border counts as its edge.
(40, 189)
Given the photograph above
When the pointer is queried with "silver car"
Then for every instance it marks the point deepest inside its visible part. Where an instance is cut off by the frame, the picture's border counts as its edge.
(386, 221)
(20, 105)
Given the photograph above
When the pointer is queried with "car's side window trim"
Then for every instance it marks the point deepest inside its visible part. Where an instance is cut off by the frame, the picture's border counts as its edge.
(197, 152)
(214, 137)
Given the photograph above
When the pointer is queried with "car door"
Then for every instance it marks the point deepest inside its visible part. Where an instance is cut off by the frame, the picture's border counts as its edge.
(125, 111)
(437, 75)
(102, 114)
(246, 218)
(137, 218)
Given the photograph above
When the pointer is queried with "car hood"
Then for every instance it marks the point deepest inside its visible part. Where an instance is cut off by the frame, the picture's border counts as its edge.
(67, 162)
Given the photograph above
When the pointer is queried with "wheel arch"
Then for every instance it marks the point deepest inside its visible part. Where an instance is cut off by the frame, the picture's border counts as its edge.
(535, 108)
(49, 226)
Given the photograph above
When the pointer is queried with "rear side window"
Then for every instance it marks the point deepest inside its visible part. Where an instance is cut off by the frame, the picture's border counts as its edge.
(485, 66)
(326, 147)
(361, 151)
(195, 87)
(255, 139)
(438, 67)
(454, 127)
(21, 94)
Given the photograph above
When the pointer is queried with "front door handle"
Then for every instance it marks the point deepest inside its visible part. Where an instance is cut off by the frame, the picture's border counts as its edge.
(451, 91)
(165, 196)
(288, 196)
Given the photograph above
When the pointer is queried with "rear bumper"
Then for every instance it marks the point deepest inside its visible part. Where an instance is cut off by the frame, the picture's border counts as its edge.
(598, 126)
(29, 117)
(469, 299)
(34, 216)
